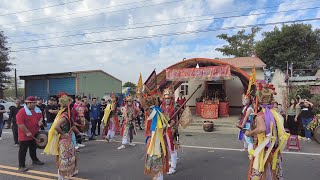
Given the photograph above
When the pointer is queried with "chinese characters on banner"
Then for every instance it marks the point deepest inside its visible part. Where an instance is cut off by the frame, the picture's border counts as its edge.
(209, 111)
(210, 73)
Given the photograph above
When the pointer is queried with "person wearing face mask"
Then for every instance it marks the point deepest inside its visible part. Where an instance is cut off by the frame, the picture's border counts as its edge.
(168, 108)
(129, 124)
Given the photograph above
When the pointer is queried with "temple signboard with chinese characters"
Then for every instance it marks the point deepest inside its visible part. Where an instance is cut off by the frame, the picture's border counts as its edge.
(209, 73)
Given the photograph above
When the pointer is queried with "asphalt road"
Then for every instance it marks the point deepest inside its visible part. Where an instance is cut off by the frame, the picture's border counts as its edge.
(204, 157)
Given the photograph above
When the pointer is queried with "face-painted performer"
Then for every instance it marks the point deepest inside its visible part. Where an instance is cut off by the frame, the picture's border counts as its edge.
(157, 150)
(128, 129)
(168, 108)
(271, 138)
(60, 140)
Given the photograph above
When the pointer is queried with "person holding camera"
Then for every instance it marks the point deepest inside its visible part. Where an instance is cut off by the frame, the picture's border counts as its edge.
(306, 117)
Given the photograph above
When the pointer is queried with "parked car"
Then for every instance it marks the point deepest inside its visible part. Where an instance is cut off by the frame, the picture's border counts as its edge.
(5, 121)
(7, 105)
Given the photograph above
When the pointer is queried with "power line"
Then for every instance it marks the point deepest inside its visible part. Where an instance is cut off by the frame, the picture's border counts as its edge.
(108, 7)
(170, 19)
(85, 16)
(166, 24)
(61, 4)
(157, 35)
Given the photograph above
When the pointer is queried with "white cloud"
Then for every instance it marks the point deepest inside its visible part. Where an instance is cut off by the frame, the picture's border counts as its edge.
(125, 59)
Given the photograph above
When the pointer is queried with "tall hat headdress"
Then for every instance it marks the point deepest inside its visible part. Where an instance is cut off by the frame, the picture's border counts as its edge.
(252, 81)
(65, 101)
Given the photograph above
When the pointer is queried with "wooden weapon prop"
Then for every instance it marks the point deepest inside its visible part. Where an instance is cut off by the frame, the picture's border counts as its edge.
(177, 111)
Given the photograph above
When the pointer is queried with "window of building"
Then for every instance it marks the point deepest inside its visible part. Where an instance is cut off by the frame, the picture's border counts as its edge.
(184, 89)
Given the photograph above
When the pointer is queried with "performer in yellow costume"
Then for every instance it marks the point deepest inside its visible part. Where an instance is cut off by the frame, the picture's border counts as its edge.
(110, 119)
(268, 130)
(60, 142)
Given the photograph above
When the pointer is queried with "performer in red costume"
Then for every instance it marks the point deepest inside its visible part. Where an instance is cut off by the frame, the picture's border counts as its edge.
(168, 109)
(128, 129)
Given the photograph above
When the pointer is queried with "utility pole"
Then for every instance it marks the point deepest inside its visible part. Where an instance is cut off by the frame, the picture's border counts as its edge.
(288, 88)
(291, 69)
(15, 82)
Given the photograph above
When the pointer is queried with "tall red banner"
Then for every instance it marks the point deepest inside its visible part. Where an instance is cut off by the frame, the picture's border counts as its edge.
(209, 73)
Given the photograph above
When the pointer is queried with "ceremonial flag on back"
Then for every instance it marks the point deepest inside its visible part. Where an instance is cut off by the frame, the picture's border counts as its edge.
(252, 79)
(139, 85)
(127, 91)
(151, 82)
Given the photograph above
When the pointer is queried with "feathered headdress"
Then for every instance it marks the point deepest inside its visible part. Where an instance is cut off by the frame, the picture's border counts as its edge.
(65, 101)
(265, 93)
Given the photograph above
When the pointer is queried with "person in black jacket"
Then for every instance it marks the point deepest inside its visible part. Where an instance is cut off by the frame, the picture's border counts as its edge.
(102, 106)
(12, 119)
(306, 117)
(42, 107)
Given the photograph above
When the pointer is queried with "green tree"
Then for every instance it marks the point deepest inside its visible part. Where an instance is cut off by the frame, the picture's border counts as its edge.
(132, 87)
(296, 43)
(4, 59)
(11, 92)
(316, 103)
(240, 44)
(129, 84)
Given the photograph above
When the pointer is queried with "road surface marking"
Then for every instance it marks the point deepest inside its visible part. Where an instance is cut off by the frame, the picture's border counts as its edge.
(225, 149)
(23, 175)
(301, 153)
(38, 172)
(6, 132)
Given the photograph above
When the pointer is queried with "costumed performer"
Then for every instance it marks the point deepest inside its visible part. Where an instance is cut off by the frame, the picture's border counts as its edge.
(60, 141)
(130, 112)
(271, 138)
(110, 119)
(157, 150)
(168, 108)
